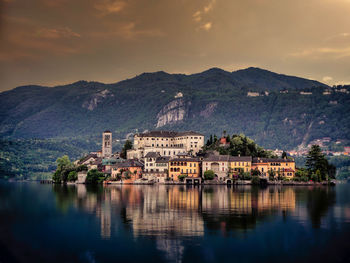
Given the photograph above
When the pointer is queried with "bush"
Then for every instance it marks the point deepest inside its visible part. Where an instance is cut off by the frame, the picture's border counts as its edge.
(93, 176)
(182, 177)
(304, 179)
(209, 175)
(56, 177)
(285, 179)
(127, 174)
(255, 180)
(256, 172)
(72, 176)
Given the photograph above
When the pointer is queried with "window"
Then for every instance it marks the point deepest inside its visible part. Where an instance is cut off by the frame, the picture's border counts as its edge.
(190, 164)
(190, 171)
(223, 169)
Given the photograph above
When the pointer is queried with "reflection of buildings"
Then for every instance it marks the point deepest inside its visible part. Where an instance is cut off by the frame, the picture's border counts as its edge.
(167, 212)
(172, 214)
(244, 201)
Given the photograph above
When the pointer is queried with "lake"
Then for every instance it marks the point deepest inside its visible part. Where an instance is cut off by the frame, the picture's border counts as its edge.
(54, 223)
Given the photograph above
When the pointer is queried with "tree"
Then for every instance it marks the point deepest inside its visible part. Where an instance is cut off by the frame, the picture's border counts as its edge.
(284, 155)
(93, 176)
(209, 175)
(182, 177)
(63, 163)
(272, 175)
(127, 174)
(256, 172)
(316, 161)
(56, 177)
(127, 146)
(72, 176)
(64, 167)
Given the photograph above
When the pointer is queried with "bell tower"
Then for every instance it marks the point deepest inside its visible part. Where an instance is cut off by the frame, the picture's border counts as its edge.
(106, 144)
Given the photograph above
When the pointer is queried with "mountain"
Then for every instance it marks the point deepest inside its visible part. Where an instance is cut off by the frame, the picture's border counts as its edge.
(275, 113)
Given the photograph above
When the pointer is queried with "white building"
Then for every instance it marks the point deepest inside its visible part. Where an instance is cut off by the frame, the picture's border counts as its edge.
(166, 143)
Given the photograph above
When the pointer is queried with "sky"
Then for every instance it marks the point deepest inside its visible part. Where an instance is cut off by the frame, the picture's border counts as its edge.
(54, 42)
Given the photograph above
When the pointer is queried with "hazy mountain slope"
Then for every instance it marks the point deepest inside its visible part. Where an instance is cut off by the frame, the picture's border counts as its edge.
(209, 102)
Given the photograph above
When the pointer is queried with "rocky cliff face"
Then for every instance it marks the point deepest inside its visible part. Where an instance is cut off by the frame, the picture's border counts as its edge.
(175, 111)
(96, 99)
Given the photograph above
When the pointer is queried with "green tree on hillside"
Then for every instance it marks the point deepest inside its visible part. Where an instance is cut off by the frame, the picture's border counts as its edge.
(127, 146)
(317, 164)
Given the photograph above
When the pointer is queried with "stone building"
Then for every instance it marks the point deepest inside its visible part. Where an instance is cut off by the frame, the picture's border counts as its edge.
(166, 143)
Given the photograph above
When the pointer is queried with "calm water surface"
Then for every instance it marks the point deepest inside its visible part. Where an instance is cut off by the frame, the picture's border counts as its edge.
(50, 223)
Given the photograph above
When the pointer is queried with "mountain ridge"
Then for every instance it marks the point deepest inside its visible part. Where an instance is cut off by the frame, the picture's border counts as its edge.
(210, 102)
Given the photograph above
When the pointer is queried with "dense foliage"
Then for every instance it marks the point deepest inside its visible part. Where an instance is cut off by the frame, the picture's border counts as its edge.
(127, 146)
(36, 159)
(66, 171)
(237, 145)
(94, 176)
(317, 165)
(209, 175)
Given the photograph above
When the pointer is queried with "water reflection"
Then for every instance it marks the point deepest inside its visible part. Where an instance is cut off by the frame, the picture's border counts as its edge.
(171, 214)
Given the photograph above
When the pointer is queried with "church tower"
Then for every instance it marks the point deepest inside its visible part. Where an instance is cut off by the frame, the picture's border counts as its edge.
(106, 144)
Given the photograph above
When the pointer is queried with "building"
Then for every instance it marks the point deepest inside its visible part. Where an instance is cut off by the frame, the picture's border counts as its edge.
(156, 167)
(219, 164)
(106, 144)
(225, 166)
(128, 171)
(283, 167)
(240, 163)
(166, 143)
(184, 165)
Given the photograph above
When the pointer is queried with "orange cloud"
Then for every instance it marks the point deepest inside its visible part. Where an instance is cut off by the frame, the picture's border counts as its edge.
(106, 7)
(55, 33)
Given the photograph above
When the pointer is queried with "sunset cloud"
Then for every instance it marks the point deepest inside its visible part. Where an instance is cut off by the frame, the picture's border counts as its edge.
(335, 53)
(106, 7)
(327, 79)
(198, 15)
(207, 26)
(55, 33)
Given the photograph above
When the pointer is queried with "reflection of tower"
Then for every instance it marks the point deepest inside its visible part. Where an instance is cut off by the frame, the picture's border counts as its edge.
(106, 144)
(106, 221)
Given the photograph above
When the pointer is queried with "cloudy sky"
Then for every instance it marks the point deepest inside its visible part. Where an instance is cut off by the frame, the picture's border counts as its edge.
(53, 42)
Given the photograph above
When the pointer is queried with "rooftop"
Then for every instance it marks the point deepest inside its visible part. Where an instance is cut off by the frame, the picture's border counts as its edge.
(271, 160)
(170, 134)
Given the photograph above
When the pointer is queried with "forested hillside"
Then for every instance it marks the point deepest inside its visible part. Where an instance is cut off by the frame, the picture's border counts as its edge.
(275, 110)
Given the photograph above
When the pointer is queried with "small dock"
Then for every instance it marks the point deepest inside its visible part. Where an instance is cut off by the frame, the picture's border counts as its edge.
(47, 181)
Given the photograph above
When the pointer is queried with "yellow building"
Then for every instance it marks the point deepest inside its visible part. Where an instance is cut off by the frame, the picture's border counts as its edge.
(240, 163)
(284, 167)
(189, 166)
